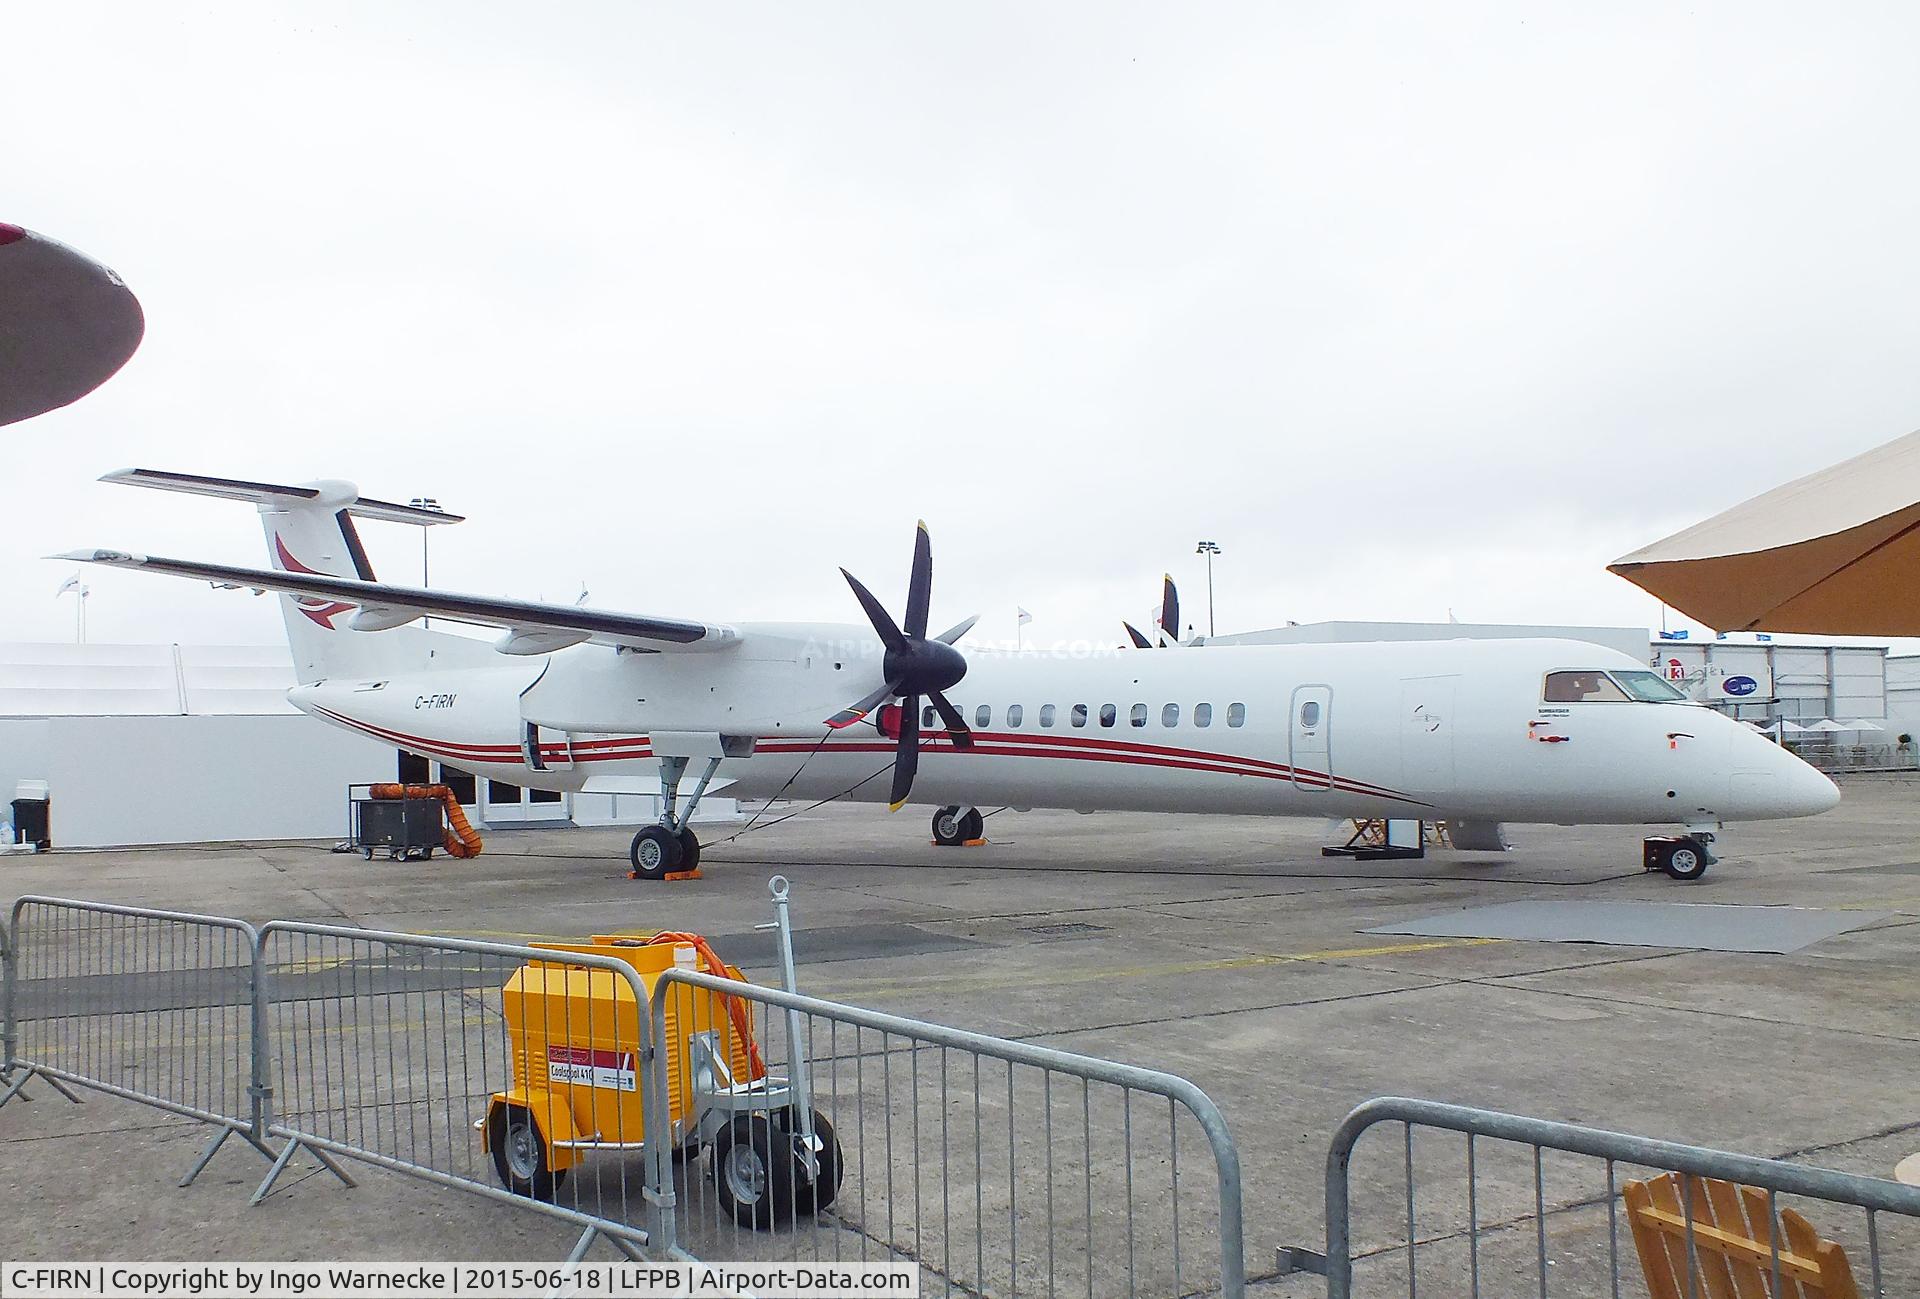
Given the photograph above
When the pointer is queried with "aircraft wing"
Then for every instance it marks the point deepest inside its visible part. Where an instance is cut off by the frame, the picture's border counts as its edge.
(532, 628)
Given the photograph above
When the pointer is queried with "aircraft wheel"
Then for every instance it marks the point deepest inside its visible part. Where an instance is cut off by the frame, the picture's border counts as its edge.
(689, 850)
(1685, 859)
(972, 825)
(949, 826)
(655, 851)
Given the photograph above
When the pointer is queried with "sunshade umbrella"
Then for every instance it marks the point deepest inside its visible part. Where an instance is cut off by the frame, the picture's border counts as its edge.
(1793, 728)
(1862, 724)
(1826, 724)
(1836, 553)
(67, 324)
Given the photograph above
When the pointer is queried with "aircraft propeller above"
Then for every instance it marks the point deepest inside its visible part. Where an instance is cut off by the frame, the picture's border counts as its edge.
(1169, 621)
(915, 665)
(67, 324)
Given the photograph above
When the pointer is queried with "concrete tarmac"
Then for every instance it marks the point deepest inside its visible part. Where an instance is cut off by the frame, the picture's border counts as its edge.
(1225, 950)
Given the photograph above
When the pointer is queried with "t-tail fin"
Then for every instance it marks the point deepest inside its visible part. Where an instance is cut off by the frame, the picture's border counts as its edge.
(310, 529)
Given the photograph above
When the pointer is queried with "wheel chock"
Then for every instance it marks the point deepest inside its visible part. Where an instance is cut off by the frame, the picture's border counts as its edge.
(693, 874)
(974, 843)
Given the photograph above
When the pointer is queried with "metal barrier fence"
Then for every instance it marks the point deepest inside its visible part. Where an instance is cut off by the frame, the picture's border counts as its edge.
(997, 1166)
(436, 1058)
(152, 1006)
(1525, 1205)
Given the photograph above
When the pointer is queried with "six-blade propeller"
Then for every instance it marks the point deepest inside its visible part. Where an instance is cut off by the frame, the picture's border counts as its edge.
(915, 665)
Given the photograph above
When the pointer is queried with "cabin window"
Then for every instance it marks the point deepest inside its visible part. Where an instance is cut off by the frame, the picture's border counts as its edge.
(1203, 715)
(1139, 715)
(1170, 716)
(983, 716)
(1014, 713)
(1046, 714)
(1582, 687)
(929, 717)
(1079, 714)
(1109, 714)
(1236, 714)
(1310, 714)
(1649, 688)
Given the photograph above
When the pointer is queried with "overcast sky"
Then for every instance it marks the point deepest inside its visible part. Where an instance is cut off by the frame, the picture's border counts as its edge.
(1411, 308)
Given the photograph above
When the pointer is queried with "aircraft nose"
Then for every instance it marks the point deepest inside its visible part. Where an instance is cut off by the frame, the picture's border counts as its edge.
(1809, 792)
(1781, 785)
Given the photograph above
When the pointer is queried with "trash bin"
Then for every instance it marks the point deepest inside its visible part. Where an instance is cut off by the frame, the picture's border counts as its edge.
(31, 817)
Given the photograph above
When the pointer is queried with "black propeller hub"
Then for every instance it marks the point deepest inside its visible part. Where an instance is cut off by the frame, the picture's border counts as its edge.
(922, 666)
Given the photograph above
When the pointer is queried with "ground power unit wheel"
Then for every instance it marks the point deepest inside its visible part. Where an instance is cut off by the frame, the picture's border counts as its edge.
(760, 1177)
(520, 1154)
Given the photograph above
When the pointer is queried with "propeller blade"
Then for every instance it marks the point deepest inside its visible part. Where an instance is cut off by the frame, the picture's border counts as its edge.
(1169, 612)
(1133, 634)
(920, 584)
(876, 614)
(854, 712)
(906, 757)
(957, 727)
(959, 629)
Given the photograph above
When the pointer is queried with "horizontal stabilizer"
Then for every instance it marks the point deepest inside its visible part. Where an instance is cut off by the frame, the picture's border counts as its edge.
(386, 606)
(333, 495)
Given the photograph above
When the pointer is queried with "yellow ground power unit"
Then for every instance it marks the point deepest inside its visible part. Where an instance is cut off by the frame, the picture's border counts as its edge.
(579, 1083)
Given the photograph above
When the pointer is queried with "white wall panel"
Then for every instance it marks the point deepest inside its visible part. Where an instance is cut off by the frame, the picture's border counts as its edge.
(139, 780)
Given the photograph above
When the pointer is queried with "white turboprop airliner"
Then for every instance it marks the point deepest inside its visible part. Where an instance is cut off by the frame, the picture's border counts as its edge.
(571, 698)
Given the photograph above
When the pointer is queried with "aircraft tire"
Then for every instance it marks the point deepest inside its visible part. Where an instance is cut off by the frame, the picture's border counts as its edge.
(689, 850)
(972, 825)
(949, 826)
(655, 851)
(1685, 860)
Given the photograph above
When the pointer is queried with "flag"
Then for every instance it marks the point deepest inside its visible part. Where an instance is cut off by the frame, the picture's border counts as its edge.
(71, 584)
(1673, 635)
(1025, 617)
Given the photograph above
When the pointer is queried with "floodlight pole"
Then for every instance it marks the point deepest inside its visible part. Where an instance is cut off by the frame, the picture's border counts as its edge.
(1209, 549)
(424, 503)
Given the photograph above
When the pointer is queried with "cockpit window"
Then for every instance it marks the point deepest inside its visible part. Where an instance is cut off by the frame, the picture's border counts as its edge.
(1583, 688)
(1650, 688)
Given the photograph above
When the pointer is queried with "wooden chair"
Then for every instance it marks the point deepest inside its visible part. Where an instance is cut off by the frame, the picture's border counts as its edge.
(1730, 1244)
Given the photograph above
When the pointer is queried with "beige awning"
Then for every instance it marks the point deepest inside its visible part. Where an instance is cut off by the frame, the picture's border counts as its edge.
(1836, 553)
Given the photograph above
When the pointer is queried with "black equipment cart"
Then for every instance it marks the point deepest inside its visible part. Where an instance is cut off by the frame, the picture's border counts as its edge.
(405, 827)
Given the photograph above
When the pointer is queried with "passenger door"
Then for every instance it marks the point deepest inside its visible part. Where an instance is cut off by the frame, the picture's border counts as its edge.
(1309, 737)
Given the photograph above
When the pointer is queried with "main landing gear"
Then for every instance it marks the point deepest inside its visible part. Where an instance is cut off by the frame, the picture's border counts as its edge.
(956, 825)
(1683, 856)
(669, 847)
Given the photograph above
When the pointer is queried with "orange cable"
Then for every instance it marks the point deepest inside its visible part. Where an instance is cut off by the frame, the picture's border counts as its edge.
(736, 1006)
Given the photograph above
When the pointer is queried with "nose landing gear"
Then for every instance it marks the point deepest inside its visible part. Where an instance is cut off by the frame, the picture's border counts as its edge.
(1684, 857)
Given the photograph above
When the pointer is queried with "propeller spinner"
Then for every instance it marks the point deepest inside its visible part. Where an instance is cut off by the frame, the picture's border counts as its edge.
(915, 665)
